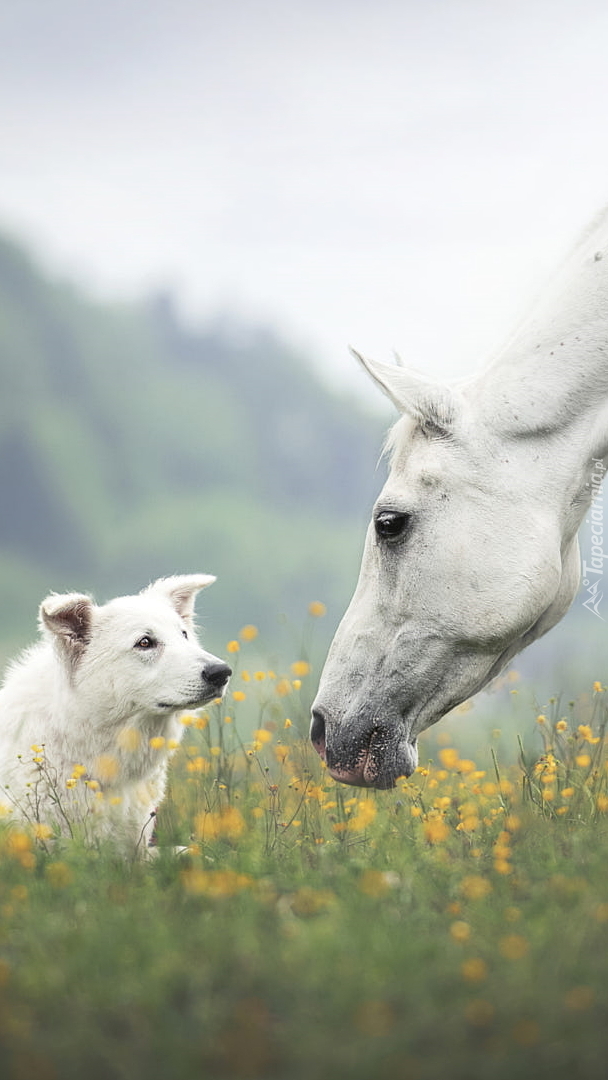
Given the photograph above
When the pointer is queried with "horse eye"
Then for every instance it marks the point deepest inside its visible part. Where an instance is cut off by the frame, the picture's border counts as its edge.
(146, 642)
(390, 524)
(185, 634)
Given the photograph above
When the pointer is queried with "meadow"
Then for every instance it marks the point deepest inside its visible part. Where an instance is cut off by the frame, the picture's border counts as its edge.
(456, 926)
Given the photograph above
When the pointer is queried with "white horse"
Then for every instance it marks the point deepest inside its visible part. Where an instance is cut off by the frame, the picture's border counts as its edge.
(472, 551)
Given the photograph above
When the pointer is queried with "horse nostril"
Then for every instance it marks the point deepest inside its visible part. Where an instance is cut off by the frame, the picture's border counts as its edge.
(317, 731)
(217, 674)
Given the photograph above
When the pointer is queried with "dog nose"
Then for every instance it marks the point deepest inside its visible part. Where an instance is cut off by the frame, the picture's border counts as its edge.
(217, 674)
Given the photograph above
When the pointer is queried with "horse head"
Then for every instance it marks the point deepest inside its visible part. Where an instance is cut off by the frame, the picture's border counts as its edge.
(472, 550)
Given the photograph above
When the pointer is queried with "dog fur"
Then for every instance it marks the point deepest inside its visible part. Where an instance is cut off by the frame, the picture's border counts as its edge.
(78, 709)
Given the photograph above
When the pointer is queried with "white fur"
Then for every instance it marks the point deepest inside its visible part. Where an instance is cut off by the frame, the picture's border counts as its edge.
(92, 693)
(495, 475)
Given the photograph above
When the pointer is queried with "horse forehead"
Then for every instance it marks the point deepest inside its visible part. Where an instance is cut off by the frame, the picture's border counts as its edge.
(418, 462)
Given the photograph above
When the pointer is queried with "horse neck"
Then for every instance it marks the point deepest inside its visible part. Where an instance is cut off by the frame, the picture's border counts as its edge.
(547, 390)
(548, 421)
(553, 383)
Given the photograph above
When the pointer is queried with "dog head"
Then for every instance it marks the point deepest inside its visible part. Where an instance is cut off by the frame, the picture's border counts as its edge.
(136, 653)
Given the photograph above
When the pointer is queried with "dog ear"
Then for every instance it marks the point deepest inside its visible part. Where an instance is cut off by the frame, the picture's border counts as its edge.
(68, 617)
(181, 591)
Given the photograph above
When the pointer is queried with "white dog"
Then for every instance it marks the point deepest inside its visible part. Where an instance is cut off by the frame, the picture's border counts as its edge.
(83, 714)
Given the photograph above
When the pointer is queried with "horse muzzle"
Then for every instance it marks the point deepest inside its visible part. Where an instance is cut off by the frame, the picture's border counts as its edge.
(363, 752)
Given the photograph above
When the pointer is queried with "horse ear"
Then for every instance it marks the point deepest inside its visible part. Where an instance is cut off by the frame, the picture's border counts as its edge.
(68, 618)
(434, 406)
(181, 591)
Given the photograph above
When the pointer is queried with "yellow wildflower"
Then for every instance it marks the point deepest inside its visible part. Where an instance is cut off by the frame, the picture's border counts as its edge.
(218, 884)
(597, 686)
(42, 832)
(308, 901)
(469, 823)
(106, 767)
(475, 887)
(157, 742)
(226, 823)
(249, 632)
(198, 765)
(317, 609)
(59, 874)
(366, 812)
(561, 725)
(502, 866)
(129, 738)
(435, 830)
(238, 695)
(300, 668)
(513, 947)
(579, 998)
(18, 842)
(449, 757)
(474, 970)
(377, 882)
(479, 1012)
(460, 931)
(232, 647)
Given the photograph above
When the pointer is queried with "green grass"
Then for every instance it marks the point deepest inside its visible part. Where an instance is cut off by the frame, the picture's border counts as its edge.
(455, 927)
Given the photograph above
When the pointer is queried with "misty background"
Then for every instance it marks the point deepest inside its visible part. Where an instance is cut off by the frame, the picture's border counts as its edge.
(201, 205)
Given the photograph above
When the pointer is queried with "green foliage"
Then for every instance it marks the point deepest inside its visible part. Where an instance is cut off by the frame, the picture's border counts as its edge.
(131, 447)
(456, 926)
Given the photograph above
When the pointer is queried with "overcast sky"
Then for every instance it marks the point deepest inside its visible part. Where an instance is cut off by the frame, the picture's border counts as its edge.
(397, 174)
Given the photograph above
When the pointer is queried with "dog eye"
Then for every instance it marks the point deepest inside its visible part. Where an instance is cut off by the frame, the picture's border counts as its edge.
(146, 642)
(391, 524)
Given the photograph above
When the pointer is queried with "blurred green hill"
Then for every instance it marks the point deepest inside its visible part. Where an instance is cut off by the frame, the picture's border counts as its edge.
(132, 446)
